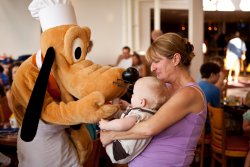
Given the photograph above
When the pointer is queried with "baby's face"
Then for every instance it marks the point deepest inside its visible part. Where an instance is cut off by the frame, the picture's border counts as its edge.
(135, 100)
(140, 94)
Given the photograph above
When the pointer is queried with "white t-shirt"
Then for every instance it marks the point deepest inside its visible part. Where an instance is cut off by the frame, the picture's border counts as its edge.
(126, 63)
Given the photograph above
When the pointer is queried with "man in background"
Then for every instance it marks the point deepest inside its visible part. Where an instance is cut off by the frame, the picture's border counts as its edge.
(125, 59)
(236, 50)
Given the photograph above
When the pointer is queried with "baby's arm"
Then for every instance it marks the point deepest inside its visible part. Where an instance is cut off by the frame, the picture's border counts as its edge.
(121, 124)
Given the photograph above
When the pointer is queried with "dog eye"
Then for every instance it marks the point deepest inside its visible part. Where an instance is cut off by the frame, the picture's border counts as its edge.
(77, 49)
(78, 53)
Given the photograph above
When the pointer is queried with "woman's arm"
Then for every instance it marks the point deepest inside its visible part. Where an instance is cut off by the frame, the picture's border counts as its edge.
(176, 108)
(121, 124)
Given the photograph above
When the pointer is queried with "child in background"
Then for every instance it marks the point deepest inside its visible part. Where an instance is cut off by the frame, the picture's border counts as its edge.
(223, 73)
(148, 95)
(210, 73)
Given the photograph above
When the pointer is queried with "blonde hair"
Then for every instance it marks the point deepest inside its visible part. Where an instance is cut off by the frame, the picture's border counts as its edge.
(167, 45)
(155, 91)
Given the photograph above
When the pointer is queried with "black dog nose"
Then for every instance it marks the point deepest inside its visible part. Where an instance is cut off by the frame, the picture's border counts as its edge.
(130, 75)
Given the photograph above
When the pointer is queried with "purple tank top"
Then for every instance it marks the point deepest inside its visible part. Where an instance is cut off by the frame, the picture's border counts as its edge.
(175, 146)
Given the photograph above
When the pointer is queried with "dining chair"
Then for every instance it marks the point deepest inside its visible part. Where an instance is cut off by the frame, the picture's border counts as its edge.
(224, 146)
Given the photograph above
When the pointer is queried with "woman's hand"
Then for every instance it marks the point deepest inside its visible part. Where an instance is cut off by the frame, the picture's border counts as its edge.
(106, 137)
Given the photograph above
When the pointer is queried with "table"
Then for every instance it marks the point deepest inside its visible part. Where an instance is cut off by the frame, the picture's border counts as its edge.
(8, 140)
(8, 143)
(237, 110)
(234, 119)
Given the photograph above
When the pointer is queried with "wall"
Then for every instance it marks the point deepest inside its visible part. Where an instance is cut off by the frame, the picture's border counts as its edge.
(105, 20)
(114, 24)
(20, 33)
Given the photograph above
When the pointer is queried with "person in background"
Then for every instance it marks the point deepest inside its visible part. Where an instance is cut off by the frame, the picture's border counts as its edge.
(223, 72)
(7, 64)
(138, 64)
(125, 59)
(14, 68)
(155, 34)
(178, 124)
(4, 79)
(210, 73)
(89, 49)
(148, 95)
(236, 50)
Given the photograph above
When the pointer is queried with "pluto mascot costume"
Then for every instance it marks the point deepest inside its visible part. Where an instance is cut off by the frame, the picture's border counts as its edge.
(57, 88)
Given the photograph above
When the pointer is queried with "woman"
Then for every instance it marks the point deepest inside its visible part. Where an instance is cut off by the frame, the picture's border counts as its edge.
(139, 65)
(177, 125)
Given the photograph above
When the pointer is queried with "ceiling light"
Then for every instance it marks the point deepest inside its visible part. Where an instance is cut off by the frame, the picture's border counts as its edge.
(219, 5)
(245, 5)
(225, 5)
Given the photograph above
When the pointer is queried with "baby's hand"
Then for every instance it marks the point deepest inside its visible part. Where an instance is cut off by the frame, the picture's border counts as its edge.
(123, 104)
(103, 124)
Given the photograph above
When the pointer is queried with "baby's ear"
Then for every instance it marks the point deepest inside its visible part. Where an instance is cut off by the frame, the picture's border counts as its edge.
(143, 102)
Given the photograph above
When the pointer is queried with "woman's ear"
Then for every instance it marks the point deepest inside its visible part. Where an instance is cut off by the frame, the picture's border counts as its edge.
(176, 59)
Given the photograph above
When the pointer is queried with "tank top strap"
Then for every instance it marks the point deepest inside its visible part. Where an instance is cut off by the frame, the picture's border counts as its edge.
(197, 88)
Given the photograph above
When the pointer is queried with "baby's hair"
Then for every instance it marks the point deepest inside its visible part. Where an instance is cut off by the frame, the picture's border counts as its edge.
(157, 91)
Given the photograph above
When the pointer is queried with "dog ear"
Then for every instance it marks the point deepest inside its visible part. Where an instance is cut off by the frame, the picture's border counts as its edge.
(35, 105)
(87, 31)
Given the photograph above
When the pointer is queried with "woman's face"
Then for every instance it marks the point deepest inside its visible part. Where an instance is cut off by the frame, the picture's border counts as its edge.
(163, 68)
(135, 60)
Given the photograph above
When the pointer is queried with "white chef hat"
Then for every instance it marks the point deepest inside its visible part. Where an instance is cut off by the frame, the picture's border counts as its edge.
(52, 13)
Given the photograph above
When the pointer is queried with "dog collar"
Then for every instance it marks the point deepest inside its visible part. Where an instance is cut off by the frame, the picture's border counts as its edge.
(52, 87)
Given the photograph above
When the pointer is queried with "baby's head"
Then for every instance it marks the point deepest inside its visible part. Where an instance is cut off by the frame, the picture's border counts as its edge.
(149, 92)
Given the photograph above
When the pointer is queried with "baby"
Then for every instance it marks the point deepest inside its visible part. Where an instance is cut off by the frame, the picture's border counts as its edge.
(148, 95)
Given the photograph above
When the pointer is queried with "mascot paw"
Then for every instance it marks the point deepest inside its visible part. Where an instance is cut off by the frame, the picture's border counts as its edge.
(108, 110)
(97, 109)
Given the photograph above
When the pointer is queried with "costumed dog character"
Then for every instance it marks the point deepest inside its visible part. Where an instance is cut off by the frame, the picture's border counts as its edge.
(57, 87)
